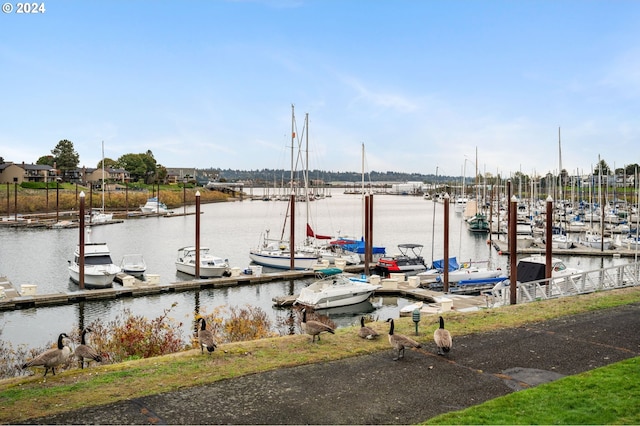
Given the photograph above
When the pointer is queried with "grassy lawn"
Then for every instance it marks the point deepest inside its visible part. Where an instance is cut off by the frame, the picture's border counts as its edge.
(607, 395)
(23, 398)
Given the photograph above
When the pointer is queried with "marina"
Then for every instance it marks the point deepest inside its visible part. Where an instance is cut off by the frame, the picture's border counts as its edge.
(36, 259)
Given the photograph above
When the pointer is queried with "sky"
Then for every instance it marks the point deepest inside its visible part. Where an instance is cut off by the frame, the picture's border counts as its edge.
(425, 86)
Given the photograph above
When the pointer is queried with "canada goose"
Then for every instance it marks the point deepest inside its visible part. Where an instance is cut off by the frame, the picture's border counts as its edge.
(400, 341)
(85, 352)
(51, 358)
(442, 337)
(367, 332)
(205, 337)
(314, 328)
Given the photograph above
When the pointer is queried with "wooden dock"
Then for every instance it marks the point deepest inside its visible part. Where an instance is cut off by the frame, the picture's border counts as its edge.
(502, 247)
(138, 288)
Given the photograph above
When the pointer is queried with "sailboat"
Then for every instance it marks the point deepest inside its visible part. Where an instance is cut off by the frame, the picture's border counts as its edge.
(99, 215)
(281, 253)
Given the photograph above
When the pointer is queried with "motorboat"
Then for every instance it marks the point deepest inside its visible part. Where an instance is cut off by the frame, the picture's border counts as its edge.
(409, 261)
(532, 268)
(210, 266)
(335, 289)
(99, 269)
(153, 205)
(133, 264)
(470, 272)
(478, 223)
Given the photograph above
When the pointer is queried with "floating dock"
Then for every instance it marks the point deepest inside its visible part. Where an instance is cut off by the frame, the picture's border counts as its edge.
(137, 288)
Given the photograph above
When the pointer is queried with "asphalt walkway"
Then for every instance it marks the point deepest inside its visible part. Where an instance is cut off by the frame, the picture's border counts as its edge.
(373, 389)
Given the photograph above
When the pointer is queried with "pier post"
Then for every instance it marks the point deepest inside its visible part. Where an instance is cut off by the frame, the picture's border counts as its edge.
(81, 242)
(197, 234)
(445, 280)
(548, 239)
(513, 250)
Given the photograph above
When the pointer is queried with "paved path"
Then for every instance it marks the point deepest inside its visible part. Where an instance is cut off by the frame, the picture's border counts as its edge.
(373, 389)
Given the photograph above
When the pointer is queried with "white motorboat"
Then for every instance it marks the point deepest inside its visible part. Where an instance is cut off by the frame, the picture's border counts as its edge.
(133, 264)
(529, 268)
(99, 269)
(153, 205)
(210, 266)
(335, 290)
(470, 272)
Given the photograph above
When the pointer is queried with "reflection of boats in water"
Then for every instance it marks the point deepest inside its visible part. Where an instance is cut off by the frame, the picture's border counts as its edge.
(357, 309)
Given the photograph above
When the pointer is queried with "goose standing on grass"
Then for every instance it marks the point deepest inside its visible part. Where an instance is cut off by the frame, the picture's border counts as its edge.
(51, 358)
(205, 337)
(400, 341)
(314, 328)
(367, 332)
(442, 337)
(85, 352)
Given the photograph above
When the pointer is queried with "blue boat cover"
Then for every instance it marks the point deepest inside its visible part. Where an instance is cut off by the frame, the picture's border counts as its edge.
(439, 264)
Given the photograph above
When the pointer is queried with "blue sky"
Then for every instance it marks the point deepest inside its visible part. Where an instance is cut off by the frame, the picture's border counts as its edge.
(422, 84)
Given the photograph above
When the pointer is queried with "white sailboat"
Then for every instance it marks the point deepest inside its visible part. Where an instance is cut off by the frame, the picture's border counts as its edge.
(282, 253)
(99, 215)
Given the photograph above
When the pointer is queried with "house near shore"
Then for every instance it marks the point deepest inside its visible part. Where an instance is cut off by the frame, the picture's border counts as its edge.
(20, 172)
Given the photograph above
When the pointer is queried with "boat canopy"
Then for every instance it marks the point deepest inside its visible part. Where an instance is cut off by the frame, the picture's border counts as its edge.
(439, 264)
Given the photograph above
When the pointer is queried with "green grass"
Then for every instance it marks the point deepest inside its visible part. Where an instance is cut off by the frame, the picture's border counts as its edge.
(607, 395)
(23, 398)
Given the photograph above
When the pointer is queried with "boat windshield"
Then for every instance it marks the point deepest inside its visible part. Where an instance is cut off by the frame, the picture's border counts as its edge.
(98, 260)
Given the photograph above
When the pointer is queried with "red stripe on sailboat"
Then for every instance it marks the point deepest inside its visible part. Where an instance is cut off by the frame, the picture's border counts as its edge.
(311, 234)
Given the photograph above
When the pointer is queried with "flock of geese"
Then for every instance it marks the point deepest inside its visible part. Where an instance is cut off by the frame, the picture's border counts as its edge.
(52, 358)
(442, 336)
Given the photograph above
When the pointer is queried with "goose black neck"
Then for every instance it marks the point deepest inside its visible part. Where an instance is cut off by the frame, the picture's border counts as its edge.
(60, 337)
(304, 315)
(82, 339)
(362, 321)
(391, 328)
(441, 322)
(203, 325)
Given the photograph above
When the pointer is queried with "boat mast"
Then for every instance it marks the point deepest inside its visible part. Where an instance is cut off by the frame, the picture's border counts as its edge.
(102, 176)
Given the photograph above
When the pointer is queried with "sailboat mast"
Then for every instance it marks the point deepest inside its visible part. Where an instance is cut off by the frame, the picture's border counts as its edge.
(103, 176)
(559, 166)
(293, 137)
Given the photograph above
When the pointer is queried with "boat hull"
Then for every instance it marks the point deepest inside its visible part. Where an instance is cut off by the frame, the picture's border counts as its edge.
(205, 271)
(334, 292)
(282, 261)
(94, 278)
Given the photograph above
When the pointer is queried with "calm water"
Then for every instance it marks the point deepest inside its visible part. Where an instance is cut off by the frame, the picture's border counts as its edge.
(39, 256)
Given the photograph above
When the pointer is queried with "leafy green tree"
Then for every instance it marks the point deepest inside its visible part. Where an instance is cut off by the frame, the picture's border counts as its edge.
(108, 162)
(46, 160)
(140, 166)
(603, 167)
(65, 156)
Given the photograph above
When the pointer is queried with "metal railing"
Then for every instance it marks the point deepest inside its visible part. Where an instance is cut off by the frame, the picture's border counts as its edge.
(613, 277)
